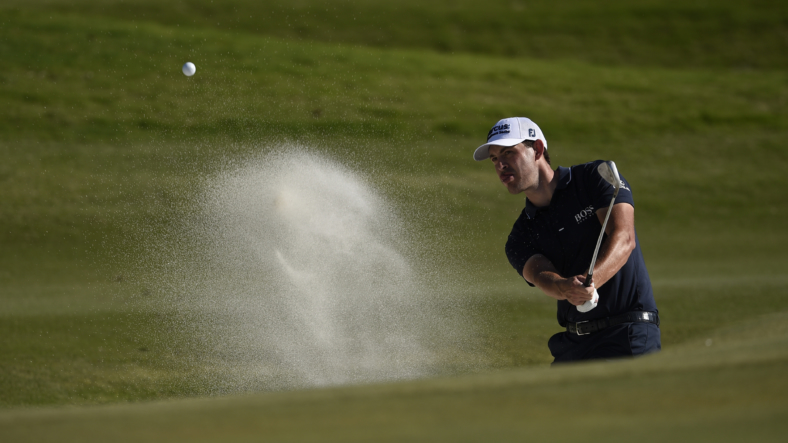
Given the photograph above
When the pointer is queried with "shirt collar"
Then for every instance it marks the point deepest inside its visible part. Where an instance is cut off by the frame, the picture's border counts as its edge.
(564, 177)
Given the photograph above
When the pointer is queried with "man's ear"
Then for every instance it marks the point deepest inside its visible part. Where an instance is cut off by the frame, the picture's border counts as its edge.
(538, 149)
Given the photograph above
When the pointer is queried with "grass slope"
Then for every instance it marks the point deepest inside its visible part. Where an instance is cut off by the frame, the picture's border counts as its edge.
(727, 388)
(694, 33)
(104, 142)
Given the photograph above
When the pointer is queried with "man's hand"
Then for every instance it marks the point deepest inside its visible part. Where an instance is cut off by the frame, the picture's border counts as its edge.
(539, 271)
(573, 291)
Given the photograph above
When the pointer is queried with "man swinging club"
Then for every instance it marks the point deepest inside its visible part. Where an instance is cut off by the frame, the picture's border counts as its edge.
(552, 243)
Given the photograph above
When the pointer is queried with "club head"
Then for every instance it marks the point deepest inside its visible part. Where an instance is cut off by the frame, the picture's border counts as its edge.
(609, 172)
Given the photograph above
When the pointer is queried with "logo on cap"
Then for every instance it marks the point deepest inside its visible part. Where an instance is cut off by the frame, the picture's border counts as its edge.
(531, 132)
(497, 130)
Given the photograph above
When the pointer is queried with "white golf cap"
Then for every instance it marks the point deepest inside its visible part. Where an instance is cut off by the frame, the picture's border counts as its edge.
(509, 132)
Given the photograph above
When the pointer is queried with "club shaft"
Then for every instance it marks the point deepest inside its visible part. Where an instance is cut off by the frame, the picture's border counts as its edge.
(599, 241)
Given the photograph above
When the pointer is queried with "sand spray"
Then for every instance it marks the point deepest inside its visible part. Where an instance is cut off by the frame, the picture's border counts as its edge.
(293, 271)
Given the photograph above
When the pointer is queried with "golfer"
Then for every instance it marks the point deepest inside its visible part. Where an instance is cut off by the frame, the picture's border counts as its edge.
(553, 240)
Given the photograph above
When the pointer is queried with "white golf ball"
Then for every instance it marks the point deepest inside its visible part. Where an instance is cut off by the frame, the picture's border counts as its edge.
(189, 69)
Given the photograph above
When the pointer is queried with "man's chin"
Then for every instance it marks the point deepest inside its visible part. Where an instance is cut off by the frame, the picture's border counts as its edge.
(512, 188)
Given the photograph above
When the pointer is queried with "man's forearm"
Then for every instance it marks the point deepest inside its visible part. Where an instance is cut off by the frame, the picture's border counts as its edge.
(613, 256)
(543, 274)
(548, 282)
(615, 250)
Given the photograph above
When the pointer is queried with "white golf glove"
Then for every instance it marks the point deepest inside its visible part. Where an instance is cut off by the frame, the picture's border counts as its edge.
(590, 304)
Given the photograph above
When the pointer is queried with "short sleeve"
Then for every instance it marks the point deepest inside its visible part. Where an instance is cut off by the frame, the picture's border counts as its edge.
(519, 248)
(602, 192)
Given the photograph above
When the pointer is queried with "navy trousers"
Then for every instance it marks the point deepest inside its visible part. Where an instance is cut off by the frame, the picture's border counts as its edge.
(624, 340)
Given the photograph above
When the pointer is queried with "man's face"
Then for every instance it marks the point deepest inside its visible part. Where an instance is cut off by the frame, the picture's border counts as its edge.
(515, 166)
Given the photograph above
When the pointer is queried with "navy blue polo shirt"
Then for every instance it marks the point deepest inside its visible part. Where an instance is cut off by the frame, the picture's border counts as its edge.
(566, 232)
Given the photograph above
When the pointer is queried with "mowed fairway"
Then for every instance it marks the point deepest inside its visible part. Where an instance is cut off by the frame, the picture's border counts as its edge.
(690, 393)
(104, 145)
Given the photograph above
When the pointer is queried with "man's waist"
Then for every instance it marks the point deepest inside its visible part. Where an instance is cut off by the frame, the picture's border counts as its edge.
(591, 326)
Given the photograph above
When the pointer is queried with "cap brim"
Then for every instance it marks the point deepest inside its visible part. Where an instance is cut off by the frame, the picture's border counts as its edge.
(483, 152)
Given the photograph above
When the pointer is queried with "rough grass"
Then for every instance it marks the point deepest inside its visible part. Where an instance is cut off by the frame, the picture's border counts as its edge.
(695, 33)
(729, 387)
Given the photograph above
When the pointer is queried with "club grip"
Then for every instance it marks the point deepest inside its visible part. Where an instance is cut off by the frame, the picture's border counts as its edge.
(589, 280)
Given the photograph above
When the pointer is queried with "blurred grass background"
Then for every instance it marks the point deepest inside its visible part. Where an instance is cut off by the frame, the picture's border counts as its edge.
(104, 141)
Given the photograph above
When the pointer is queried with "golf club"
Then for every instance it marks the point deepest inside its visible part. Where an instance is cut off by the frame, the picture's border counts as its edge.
(609, 172)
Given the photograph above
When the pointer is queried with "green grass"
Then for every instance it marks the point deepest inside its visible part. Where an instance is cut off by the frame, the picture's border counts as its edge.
(694, 33)
(729, 388)
(105, 143)
(94, 357)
